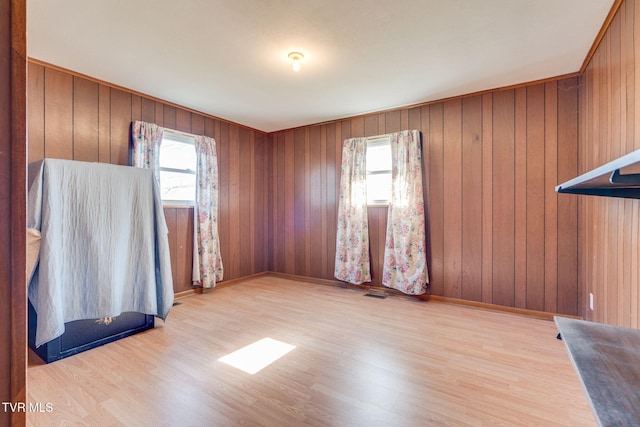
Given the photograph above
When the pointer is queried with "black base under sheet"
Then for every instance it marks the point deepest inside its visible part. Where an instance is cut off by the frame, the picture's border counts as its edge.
(82, 335)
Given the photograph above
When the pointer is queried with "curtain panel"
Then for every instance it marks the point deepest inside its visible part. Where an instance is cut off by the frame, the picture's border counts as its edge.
(207, 266)
(147, 138)
(405, 260)
(207, 262)
(352, 236)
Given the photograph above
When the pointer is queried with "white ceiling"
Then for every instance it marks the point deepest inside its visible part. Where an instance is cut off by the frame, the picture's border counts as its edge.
(228, 58)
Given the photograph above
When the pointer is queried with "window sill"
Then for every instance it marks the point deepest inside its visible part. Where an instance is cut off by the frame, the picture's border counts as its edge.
(177, 204)
(378, 205)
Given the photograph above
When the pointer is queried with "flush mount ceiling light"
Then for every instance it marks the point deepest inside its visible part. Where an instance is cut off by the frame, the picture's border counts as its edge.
(296, 57)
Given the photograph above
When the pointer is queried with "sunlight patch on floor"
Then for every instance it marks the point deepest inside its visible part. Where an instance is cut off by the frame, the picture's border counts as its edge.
(256, 356)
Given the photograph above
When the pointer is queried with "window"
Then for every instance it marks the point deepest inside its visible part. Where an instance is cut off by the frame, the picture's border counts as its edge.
(378, 170)
(177, 168)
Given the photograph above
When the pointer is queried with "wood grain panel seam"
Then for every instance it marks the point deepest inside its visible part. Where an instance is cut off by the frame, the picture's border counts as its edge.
(16, 146)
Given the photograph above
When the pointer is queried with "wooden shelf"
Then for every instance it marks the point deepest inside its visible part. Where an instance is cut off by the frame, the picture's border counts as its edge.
(607, 360)
(618, 178)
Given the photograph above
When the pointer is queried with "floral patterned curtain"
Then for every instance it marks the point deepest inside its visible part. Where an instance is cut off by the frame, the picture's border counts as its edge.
(146, 146)
(207, 263)
(405, 260)
(352, 239)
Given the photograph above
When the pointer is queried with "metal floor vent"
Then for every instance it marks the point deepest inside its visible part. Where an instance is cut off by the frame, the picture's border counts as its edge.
(176, 303)
(376, 293)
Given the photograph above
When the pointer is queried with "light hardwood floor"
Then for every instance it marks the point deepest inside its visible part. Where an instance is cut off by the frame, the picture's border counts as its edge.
(358, 361)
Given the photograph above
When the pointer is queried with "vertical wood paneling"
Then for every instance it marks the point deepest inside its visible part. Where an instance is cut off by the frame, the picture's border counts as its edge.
(170, 216)
(183, 244)
(159, 107)
(426, 162)
(13, 215)
(279, 195)
(608, 251)
(35, 107)
(452, 182)
(58, 114)
(221, 134)
(183, 120)
(260, 188)
(91, 121)
(631, 287)
(245, 202)
(404, 118)
(471, 198)
(288, 189)
(583, 235)
(333, 161)
(609, 211)
(414, 118)
(487, 198)
(316, 227)
(535, 236)
(357, 127)
(269, 216)
(617, 87)
(436, 197)
(85, 120)
(503, 198)
(624, 269)
(148, 113)
(251, 190)
(169, 117)
(324, 203)
(567, 206)
(307, 207)
(392, 121)
(234, 201)
(299, 198)
(486, 193)
(197, 124)
(136, 107)
(520, 284)
(279, 192)
(120, 126)
(551, 199)
(371, 126)
(104, 124)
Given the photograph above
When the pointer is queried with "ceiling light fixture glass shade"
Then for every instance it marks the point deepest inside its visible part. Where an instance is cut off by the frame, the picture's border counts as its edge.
(296, 57)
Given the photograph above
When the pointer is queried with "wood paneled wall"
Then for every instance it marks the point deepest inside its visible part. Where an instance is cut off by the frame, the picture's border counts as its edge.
(610, 127)
(497, 232)
(13, 216)
(73, 117)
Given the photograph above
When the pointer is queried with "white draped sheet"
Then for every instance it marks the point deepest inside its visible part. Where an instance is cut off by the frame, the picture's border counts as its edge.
(104, 245)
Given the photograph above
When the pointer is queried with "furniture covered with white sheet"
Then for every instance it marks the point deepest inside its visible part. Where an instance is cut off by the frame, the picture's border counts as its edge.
(104, 249)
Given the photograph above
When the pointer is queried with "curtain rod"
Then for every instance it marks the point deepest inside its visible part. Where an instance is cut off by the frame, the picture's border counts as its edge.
(377, 137)
(179, 132)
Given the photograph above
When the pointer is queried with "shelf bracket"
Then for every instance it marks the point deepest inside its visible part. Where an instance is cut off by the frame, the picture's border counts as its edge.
(627, 179)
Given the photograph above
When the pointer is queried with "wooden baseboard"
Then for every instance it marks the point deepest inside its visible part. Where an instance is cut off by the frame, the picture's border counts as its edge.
(494, 307)
(328, 282)
(231, 282)
(186, 293)
(426, 297)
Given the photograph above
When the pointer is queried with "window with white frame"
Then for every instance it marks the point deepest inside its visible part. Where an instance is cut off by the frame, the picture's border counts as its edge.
(379, 170)
(177, 168)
